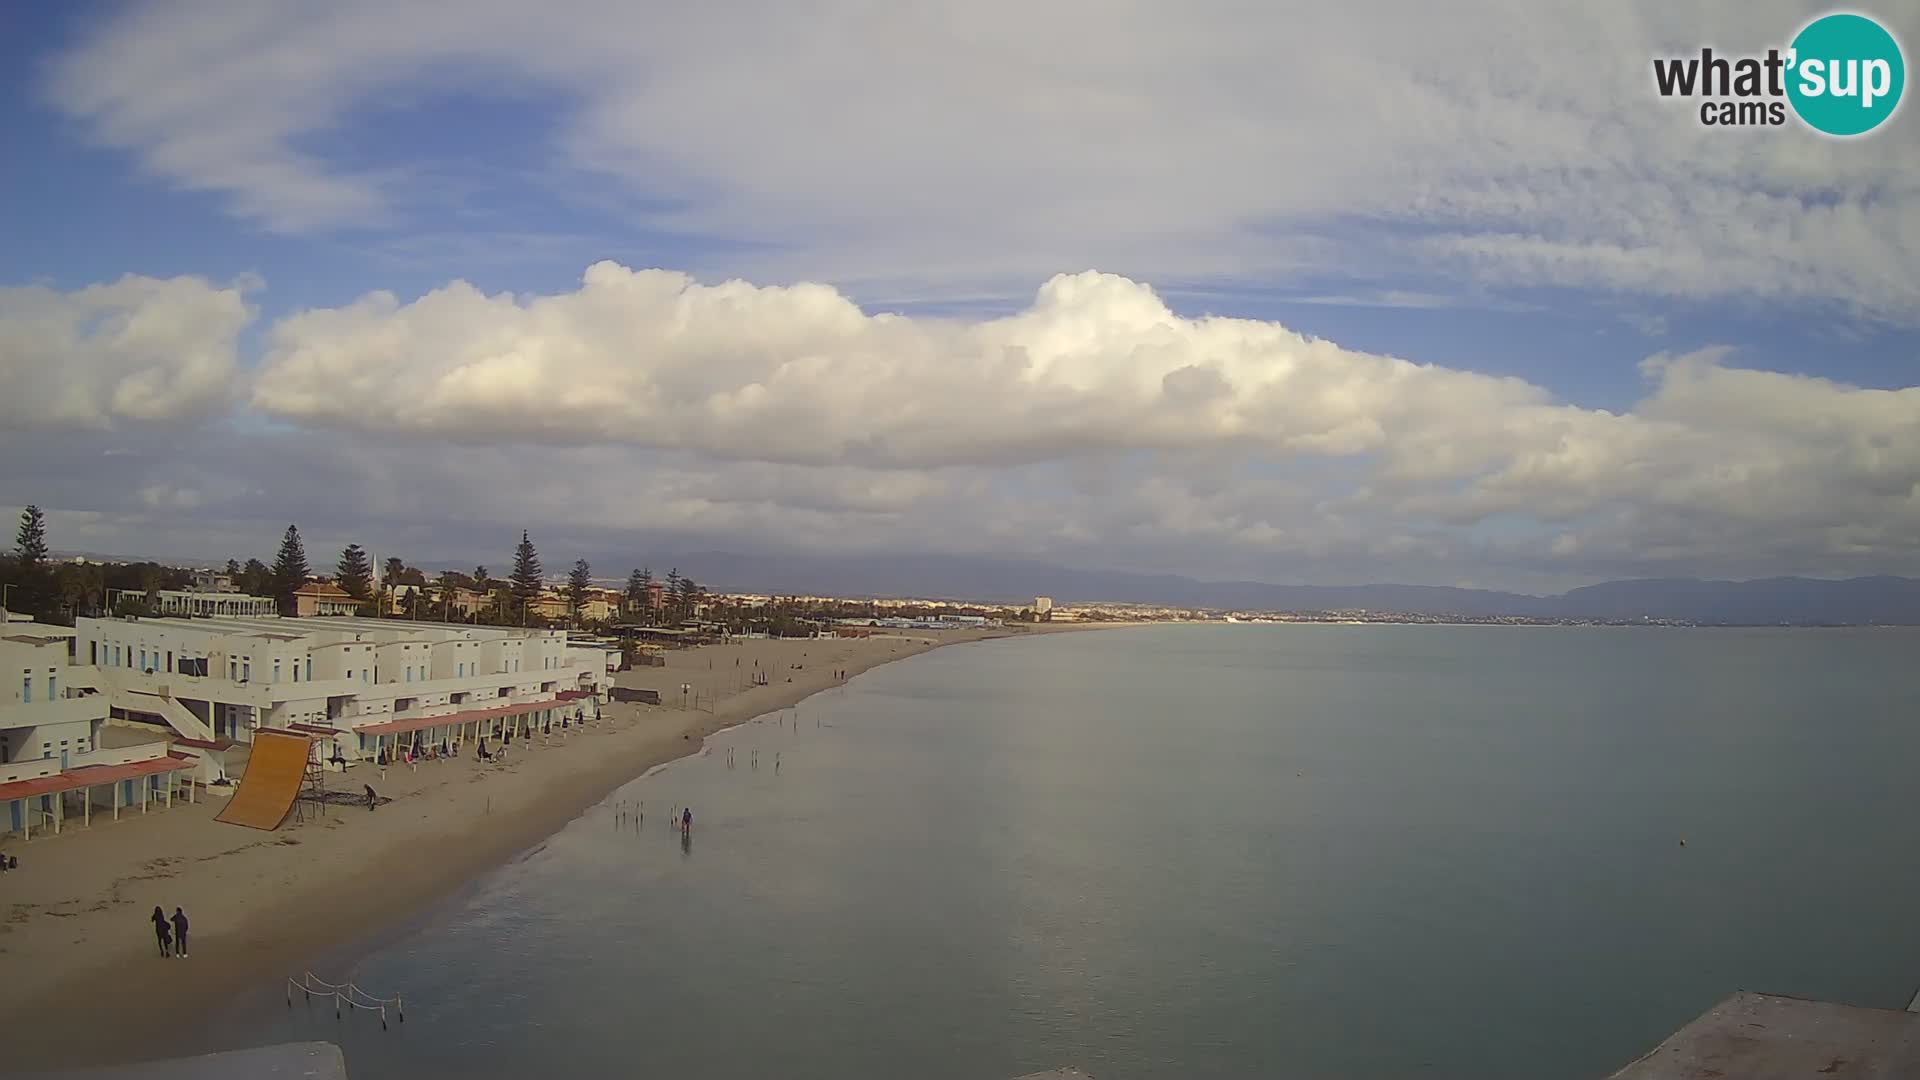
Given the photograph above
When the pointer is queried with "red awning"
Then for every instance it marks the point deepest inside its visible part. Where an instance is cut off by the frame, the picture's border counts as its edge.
(415, 723)
(92, 775)
(573, 695)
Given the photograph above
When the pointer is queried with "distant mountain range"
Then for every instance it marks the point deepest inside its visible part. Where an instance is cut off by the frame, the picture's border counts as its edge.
(1889, 601)
(1854, 601)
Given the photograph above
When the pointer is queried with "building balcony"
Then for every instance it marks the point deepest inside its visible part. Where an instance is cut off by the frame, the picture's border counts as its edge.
(69, 710)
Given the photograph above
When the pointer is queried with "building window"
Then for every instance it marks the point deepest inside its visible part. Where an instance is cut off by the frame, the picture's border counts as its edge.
(143, 659)
(276, 669)
(26, 689)
(233, 670)
(53, 688)
(409, 673)
(309, 669)
(246, 671)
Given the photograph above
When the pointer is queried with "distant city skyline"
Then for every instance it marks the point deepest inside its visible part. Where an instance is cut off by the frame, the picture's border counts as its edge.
(1210, 292)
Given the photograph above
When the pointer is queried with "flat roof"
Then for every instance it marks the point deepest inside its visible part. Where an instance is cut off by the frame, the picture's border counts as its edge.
(416, 723)
(91, 775)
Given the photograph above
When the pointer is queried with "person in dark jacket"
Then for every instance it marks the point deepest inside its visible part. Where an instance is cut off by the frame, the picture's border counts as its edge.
(179, 933)
(163, 932)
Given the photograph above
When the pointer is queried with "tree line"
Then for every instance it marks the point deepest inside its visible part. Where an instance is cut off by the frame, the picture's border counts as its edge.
(62, 591)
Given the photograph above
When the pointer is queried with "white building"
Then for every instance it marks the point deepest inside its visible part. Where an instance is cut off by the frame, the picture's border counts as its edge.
(53, 763)
(1042, 605)
(357, 684)
(196, 602)
(212, 581)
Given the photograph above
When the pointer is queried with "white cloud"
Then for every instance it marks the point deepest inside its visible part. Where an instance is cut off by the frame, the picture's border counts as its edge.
(137, 350)
(1094, 425)
(1176, 435)
(961, 148)
(800, 374)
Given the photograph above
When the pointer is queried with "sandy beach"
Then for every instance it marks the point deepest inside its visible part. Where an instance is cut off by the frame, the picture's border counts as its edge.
(262, 904)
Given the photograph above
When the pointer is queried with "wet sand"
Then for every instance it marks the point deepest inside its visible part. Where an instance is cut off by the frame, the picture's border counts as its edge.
(88, 986)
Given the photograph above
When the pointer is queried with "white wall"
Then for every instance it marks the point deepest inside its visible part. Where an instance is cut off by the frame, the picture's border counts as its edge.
(46, 741)
(449, 658)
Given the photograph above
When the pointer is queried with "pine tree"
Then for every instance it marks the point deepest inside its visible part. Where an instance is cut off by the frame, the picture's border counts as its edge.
(30, 543)
(290, 568)
(233, 571)
(578, 582)
(689, 597)
(526, 570)
(637, 589)
(33, 587)
(670, 596)
(356, 572)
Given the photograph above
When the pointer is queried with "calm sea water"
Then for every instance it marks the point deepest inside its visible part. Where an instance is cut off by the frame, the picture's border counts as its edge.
(1218, 851)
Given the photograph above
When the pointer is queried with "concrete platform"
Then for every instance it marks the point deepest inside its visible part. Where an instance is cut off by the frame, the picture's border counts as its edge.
(288, 1061)
(1763, 1037)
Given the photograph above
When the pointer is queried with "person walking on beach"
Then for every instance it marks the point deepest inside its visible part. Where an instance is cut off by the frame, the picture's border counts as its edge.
(180, 933)
(163, 932)
(686, 822)
(372, 799)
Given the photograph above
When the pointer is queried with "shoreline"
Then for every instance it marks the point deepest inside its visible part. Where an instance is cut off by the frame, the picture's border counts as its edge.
(264, 903)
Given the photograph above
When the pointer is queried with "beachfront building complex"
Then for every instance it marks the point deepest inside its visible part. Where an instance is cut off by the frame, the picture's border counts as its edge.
(57, 759)
(359, 685)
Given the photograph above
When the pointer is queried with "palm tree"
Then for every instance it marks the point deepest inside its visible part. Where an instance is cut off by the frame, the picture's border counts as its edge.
(447, 584)
(390, 572)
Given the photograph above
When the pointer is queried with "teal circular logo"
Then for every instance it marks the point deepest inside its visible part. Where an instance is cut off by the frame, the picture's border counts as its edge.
(1845, 75)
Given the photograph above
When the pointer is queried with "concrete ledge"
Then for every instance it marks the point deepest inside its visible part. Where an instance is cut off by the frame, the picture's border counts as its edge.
(1763, 1037)
(288, 1061)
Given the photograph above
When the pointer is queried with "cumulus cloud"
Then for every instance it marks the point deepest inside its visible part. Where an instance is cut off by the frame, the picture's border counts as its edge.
(136, 350)
(1093, 425)
(967, 148)
(800, 374)
(1098, 417)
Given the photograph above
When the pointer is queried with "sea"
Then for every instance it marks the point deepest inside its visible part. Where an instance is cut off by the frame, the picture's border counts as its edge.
(1297, 851)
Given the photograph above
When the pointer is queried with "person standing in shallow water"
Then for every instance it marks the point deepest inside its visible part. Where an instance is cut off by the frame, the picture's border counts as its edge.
(686, 822)
(162, 931)
(180, 932)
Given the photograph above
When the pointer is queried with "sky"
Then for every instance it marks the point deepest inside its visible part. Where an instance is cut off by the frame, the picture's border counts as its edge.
(1380, 290)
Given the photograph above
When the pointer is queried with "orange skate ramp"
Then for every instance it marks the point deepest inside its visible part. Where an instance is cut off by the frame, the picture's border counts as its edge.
(272, 781)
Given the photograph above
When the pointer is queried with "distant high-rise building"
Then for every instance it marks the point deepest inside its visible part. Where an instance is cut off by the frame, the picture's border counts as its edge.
(1042, 605)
